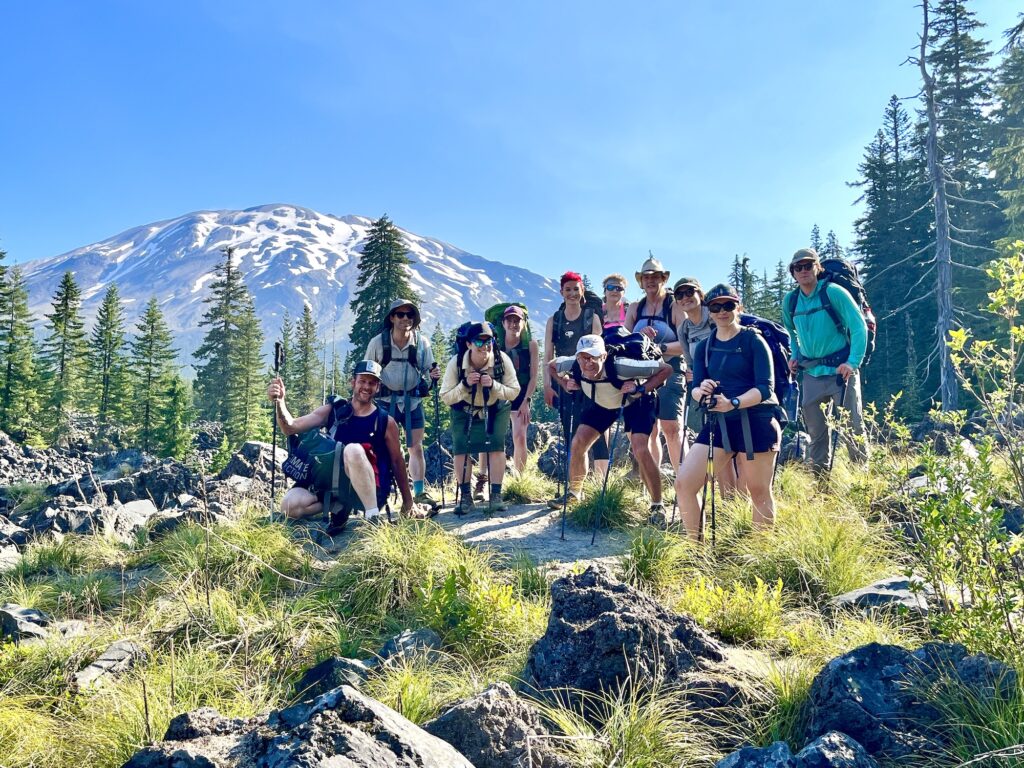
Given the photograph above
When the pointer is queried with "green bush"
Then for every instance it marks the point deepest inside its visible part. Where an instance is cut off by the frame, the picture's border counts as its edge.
(621, 505)
(738, 613)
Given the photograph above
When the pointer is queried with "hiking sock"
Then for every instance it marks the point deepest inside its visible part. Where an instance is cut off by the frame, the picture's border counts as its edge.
(495, 490)
(417, 487)
(465, 490)
(372, 513)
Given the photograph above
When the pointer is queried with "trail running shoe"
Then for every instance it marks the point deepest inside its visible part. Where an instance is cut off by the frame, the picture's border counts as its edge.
(656, 515)
(336, 522)
(426, 500)
(567, 499)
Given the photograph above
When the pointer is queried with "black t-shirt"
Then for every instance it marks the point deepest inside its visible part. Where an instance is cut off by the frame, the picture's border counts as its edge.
(739, 364)
(371, 429)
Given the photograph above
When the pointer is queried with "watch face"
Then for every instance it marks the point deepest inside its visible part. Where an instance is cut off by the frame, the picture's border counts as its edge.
(735, 402)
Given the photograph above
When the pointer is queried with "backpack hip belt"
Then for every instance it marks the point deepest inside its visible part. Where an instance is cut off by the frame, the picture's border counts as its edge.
(832, 360)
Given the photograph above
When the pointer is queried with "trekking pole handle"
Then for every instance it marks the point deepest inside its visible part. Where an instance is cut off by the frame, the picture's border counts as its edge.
(278, 355)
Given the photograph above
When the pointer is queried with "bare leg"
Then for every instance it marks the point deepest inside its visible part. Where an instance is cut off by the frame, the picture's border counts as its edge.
(417, 464)
(648, 469)
(674, 441)
(654, 443)
(585, 437)
(520, 424)
(360, 475)
(758, 477)
(497, 460)
(298, 503)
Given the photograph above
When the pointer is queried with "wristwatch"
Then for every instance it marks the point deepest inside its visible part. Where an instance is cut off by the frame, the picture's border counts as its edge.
(664, 348)
(735, 403)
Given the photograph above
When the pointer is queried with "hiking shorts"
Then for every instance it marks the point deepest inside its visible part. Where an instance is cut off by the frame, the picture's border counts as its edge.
(765, 433)
(416, 417)
(570, 407)
(638, 416)
(671, 398)
(470, 433)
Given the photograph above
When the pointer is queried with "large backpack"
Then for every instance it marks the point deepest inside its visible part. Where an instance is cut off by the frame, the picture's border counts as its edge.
(413, 354)
(460, 348)
(623, 345)
(843, 273)
(495, 315)
(777, 338)
(592, 305)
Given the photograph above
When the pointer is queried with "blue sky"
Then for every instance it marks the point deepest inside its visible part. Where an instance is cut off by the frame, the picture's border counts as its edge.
(552, 135)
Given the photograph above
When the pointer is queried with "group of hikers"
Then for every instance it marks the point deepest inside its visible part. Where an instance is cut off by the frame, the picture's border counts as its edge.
(683, 364)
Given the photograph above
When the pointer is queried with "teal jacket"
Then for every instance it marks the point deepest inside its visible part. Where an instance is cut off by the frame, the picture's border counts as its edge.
(812, 332)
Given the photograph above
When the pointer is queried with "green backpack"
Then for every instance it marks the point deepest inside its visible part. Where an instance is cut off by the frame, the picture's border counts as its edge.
(494, 316)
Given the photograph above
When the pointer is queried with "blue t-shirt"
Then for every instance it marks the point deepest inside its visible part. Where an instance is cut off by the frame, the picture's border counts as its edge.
(738, 365)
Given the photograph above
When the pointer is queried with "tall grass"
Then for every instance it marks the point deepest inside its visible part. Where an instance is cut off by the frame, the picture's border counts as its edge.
(622, 502)
(530, 485)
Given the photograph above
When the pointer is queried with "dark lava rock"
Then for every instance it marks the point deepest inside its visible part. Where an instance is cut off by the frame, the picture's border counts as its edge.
(897, 594)
(776, 755)
(491, 730)
(409, 643)
(602, 631)
(22, 624)
(833, 750)
(794, 447)
(330, 674)
(342, 728)
(117, 659)
(869, 694)
(254, 459)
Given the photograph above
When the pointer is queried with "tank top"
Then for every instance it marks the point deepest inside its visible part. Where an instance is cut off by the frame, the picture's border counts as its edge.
(364, 429)
(609, 323)
(653, 317)
(571, 330)
(520, 357)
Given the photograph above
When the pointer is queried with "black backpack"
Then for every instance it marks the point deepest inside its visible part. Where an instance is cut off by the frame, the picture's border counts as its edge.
(461, 348)
(620, 343)
(777, 338)
(843, 273)
(592, 305)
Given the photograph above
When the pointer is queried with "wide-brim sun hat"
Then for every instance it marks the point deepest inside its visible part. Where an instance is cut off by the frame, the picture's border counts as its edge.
(651, 267)
(398, 304)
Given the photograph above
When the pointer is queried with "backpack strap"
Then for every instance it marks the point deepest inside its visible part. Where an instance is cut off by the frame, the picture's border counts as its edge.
(826, 304)
(385, 344)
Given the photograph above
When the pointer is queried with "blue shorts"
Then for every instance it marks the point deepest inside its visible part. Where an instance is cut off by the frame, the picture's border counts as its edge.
(416, 417)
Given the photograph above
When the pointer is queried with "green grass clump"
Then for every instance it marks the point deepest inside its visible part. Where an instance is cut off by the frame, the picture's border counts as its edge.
(25, 498)
(818, 639)
(642, 726)
(738, 613)
(622, 504)
(656, 561)
(420, 688)
(528, 579)
(246, 553)
(530, 485)
(777, 710)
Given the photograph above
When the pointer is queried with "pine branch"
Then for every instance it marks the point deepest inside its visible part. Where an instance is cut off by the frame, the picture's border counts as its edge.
(920, 280)
(902, 261)
(908, 304)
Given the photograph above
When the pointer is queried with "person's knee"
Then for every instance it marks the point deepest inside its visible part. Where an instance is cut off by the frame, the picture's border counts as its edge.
(640, 444)
(670, 428)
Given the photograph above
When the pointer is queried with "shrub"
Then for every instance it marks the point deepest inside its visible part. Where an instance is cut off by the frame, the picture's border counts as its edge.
(419, 688)
(621, 504)
(738, 613)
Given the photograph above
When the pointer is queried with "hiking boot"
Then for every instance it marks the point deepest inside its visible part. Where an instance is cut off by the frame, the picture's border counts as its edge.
(381, 518)
(336, 522)
(478, 489)
(465, 505)
(496, 504)
(426, 500)
(656, 515)
(567, 499)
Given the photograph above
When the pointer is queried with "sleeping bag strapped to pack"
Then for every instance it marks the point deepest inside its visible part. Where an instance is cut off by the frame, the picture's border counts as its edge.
(631, 356)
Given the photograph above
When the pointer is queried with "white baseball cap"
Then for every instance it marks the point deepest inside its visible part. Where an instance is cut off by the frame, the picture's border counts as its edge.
(591, 344)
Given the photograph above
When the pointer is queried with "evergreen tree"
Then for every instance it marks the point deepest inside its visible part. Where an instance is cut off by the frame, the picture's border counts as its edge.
(440, 346)
(19, 394)
(174, 434)
(152, 367)
(64, 356)
(1007, 161)
(213, 376)
(306, 369)
(108, 372)
(383, 278)
(246, 399)
(287, 348)
(832, 248)
(816, 238)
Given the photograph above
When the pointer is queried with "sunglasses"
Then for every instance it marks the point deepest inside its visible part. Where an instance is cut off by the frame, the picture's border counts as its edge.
(722, 306)
(585, 358)
(616, 288)
(803, 266)
(685, 293)
(404, 315)
(482, 342)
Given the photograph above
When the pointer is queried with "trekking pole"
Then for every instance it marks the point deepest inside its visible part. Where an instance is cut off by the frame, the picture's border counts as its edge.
(709, 476)
(604, 485)
(568, 460)
(437, 432)
(278, 355)
(844, 388)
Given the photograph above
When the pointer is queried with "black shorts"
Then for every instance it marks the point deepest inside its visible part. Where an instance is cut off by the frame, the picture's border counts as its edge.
(570, 408)
(765, 432)
(519, 399)
(639, 416)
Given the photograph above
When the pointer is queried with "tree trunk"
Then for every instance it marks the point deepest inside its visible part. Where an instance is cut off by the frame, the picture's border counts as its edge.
(948, 390)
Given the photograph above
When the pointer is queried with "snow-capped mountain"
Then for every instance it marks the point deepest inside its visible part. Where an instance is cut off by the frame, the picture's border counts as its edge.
(288, 255)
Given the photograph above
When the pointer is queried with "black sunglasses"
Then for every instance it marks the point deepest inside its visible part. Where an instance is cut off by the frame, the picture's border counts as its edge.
(482, 341)
(803, 266)
(722, 306)
(685, 293)
(613, 287)
(400, 314)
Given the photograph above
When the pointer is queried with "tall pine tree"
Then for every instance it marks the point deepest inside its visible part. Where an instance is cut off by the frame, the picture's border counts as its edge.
(108, 374)
(247, 412)
(19, 394)
(174, 432)
(383, 278)
(152, 367)
(213, 375)
(306, 367)
(1007, 161)
(63, 356)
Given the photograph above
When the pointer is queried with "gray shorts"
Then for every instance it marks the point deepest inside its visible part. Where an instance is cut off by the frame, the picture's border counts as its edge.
(671, 398)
